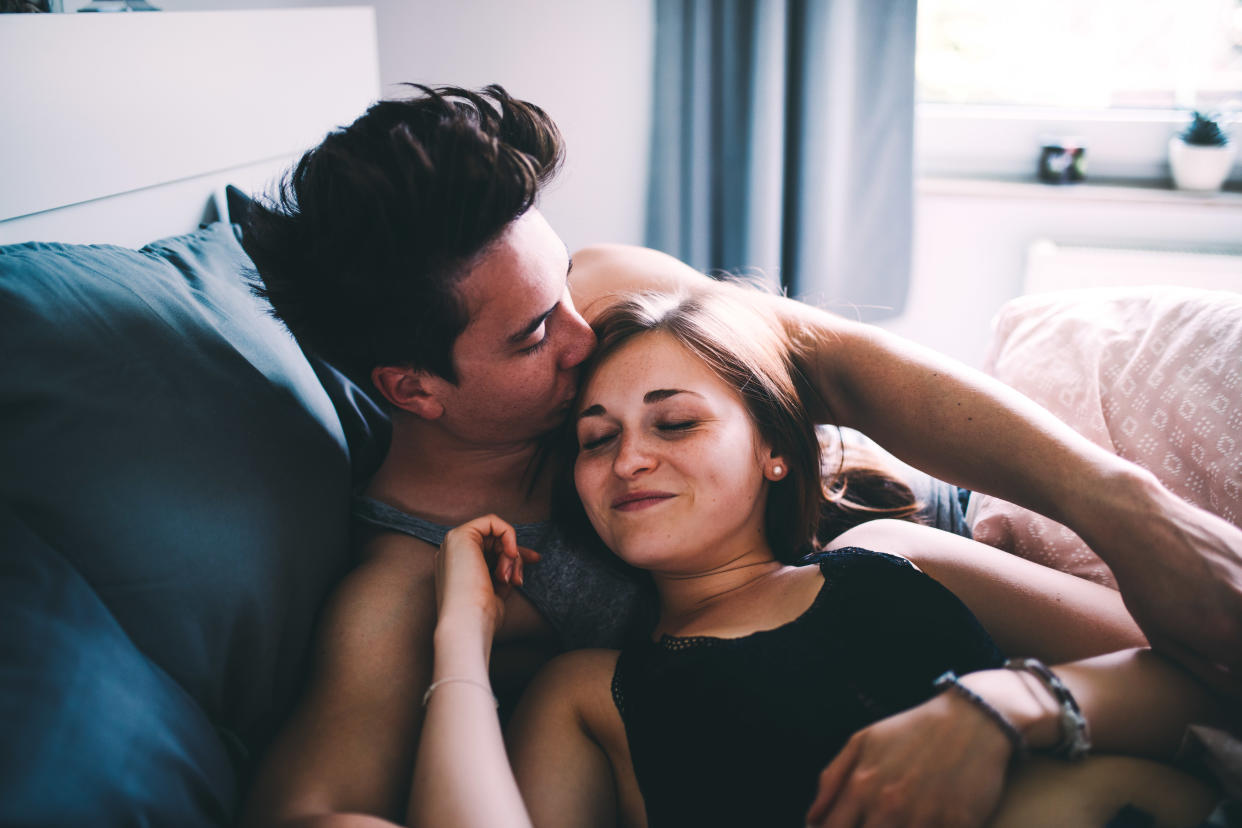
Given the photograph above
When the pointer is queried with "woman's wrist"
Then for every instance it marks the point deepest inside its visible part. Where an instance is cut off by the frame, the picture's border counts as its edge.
(1023, 701)
(462, 647)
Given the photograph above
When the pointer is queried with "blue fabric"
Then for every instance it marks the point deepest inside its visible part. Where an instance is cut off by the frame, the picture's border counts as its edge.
(367, 426)
(164, 435)
(94, 734)
(783, 143)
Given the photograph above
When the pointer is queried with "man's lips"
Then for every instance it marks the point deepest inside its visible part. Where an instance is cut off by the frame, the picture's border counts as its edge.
(634, 501)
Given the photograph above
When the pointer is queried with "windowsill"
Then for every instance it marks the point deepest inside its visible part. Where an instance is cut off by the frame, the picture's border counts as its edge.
(1129, 191)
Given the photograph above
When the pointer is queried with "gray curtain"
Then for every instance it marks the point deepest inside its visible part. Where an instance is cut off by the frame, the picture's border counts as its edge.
(783, 144)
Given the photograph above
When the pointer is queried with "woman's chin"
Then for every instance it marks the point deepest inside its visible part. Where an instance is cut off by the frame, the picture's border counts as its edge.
(642, 553)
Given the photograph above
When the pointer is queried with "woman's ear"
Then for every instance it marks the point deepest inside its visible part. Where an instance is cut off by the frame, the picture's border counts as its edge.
(774, 467)
(408, 389)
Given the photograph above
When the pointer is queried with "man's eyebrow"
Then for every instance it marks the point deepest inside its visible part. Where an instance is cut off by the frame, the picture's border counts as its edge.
(534, 324)
(658, 395)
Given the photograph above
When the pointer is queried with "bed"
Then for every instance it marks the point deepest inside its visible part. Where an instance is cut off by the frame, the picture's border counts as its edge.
(176, 470)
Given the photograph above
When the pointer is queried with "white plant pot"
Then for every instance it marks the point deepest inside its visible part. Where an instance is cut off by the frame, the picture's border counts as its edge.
(1202, 169)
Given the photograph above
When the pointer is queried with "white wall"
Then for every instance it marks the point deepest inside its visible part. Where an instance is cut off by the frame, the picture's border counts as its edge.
(588, 63)
(971, 242)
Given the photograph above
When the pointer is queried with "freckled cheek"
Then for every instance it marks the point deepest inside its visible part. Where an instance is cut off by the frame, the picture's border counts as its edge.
(586, 481)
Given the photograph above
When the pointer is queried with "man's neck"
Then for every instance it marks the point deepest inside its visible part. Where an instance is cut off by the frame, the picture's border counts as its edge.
(442, 479)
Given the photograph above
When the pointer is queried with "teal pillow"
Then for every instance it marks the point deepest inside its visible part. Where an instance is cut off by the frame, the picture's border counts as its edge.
(167, 437)
(94, 733)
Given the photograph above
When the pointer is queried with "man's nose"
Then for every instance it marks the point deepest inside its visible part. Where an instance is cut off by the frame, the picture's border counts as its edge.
(583, 339)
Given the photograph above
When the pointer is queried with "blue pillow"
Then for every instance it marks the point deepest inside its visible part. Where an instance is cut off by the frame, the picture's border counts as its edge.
(367, 426)
(94, 734)
(167, 437)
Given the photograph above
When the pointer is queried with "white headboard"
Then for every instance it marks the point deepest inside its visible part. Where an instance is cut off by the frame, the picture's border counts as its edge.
(121, 127)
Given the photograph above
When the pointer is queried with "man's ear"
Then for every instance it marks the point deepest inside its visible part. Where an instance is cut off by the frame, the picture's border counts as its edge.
(408, 389)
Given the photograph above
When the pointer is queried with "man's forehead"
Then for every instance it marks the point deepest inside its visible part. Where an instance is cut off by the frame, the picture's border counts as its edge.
(507, 290)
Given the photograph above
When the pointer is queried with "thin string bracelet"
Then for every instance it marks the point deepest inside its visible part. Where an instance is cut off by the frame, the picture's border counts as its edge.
(1075, 734)
(950, 680)
(462, 680)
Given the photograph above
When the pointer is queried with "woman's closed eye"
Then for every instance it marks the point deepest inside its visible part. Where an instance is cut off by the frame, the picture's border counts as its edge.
(673, 428)
(587, 442)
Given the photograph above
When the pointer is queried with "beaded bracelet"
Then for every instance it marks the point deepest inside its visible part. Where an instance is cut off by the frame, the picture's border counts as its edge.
(1075, 734)
(463, 680)
(1020, 748)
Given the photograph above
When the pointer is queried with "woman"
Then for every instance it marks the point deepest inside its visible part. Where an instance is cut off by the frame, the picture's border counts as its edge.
(698, 464)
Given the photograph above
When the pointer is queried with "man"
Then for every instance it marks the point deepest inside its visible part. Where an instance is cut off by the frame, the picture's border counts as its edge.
(407, 247)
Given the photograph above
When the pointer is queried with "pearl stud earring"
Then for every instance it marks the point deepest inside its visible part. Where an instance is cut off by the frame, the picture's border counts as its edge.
(778, 471)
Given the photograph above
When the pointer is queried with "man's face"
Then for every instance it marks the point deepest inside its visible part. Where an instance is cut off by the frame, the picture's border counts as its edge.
(517, 358)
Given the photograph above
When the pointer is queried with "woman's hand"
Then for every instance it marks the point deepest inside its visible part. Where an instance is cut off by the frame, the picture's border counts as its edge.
(477, 566)
(942, 763)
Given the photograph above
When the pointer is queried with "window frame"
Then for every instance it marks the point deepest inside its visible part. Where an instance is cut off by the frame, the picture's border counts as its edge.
(987, 141)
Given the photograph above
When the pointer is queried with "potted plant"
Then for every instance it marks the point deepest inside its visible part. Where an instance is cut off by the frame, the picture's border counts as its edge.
(1201, 156)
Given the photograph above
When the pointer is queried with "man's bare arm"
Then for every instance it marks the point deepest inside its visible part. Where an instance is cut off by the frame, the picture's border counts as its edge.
(1179, 568)
(346, 756)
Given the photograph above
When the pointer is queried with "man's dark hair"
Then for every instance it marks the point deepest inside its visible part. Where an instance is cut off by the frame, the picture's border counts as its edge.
(361, 248)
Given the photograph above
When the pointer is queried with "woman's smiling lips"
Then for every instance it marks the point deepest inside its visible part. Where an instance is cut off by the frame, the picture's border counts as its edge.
(633, 501)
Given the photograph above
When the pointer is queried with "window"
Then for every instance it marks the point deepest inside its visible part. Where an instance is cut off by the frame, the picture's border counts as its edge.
(995, 78)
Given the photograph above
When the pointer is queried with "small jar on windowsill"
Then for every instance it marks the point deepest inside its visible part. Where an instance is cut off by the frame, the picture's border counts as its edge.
(1062, 161)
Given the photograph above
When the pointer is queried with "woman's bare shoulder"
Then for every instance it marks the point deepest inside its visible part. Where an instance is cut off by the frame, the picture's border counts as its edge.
(581, 681)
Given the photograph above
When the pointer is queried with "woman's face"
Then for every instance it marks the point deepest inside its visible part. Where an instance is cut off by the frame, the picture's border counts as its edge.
(670, 469)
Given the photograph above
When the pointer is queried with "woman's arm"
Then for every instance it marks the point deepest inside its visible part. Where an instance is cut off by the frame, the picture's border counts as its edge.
(1179, 568)
(462, 777)
(1135, 702)
(1026, 608)
(557, 742)
(949, 759)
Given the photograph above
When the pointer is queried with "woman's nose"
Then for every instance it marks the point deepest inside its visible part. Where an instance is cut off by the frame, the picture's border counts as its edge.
(633, 456)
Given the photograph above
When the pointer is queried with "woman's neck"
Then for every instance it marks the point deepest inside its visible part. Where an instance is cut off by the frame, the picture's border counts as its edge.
(734, 590)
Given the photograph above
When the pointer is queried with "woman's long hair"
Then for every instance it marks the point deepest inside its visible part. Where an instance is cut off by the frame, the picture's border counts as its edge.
(754, 357)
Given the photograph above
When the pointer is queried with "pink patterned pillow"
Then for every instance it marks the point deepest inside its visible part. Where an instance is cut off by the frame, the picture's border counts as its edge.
(1152, 374)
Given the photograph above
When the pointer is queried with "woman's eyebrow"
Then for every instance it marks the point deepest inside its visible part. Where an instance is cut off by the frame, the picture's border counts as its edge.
(658, 395)
(661, 394)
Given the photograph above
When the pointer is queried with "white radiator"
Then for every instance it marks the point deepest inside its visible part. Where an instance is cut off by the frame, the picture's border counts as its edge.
(1051, 266)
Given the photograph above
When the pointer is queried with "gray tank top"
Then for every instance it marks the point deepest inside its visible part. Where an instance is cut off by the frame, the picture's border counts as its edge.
(588, 601)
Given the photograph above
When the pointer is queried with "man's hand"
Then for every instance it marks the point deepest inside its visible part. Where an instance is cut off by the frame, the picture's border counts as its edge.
(939, 764)
(1182, 581)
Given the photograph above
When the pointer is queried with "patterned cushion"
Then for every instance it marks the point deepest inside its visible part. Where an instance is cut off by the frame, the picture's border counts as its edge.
(1151, 374)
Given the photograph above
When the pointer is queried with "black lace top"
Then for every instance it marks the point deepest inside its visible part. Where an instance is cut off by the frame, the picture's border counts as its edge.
(736, 731)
